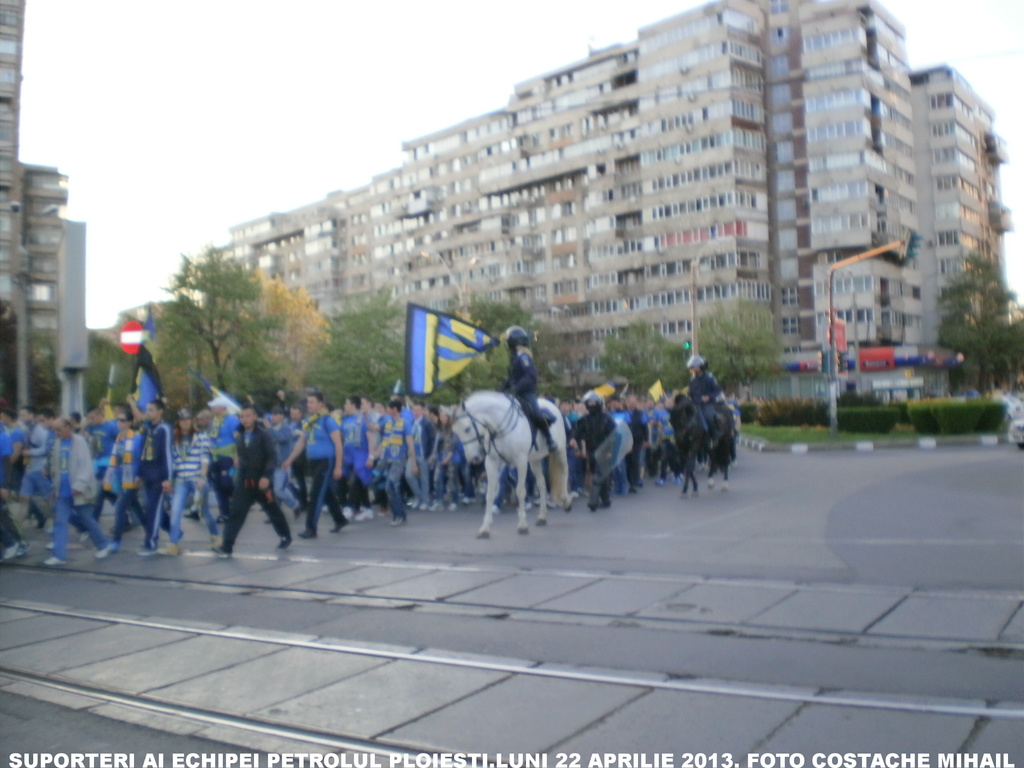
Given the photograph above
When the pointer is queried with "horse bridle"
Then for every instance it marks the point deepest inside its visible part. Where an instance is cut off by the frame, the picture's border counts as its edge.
(492, 434)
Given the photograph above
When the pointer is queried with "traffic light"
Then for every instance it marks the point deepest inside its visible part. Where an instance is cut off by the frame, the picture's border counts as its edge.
(841, 360)
(687, 346)
(821, 360)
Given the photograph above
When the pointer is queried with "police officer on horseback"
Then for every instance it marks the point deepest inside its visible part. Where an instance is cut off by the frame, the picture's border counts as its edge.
(705, 392)
(522, 380)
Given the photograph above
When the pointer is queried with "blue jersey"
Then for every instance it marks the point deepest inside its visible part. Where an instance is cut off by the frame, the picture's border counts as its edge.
(65, 478)
(394, 445)
(222, 436)
(354, 435)
(101, 439)
(5, 451)
(318, 430)
(156, 462)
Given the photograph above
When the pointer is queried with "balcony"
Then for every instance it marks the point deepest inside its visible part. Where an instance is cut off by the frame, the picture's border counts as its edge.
(995, 149)
(1000, 218)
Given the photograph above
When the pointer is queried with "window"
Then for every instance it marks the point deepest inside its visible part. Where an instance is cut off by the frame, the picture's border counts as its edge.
(787, 210)
(780, 65)
(790, 296)
(785, 181)
(781, 94)
(782, 122)
(784, 151)
(791, 326)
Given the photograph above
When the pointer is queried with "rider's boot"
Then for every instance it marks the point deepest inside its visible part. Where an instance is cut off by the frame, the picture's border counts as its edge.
(546, 430)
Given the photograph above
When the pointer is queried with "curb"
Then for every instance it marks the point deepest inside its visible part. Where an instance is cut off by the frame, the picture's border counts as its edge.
(867, 446)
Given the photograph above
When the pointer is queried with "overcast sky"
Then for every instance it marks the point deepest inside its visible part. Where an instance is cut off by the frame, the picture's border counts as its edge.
(175, 121)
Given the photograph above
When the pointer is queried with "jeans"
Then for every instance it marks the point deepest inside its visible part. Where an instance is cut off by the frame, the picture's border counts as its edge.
(129, 498)
(182, 490)
(62, 519)
(282, 489)
(420, 483)
(394, 489)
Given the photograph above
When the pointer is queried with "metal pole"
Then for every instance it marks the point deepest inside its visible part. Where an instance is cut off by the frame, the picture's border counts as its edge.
(694, 266)
(22, 276)
(833, 373)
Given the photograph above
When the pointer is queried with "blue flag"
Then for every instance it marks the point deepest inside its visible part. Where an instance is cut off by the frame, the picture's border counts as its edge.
(230, 403)
(438, 346)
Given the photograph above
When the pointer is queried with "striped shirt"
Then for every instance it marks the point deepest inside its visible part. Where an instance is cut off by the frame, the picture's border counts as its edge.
(191, 457)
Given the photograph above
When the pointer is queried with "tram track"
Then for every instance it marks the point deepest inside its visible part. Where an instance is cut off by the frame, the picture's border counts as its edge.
(531, 669)
(750, 629)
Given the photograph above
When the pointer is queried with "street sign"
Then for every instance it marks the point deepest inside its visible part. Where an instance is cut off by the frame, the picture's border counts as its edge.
(131, 337)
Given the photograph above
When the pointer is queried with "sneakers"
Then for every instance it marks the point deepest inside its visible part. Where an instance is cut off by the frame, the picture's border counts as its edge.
(659, 482)
(307, 534)
(107, 550)
(53, 562)
(147, 552)
(398, 522)
(10, 552)
(83, 537)
(452, 507)
(364, 514)
(169, 549)
(221, 552)
(22, 549)
(215, 541)
(347, 512)
(114, 546)
(285, 543)
(339, 525)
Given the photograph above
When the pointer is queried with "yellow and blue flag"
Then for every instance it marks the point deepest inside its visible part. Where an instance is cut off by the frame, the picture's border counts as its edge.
(657, 391)
(605, 390)
(438, 346)
(231, 404)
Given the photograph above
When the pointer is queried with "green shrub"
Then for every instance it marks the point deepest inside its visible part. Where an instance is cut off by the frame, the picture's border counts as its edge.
(858, 399)
(904, 409)
(868, 419)
(958, 418)
(790, 412)
(922, 416)
(748, 413)
(992, 417)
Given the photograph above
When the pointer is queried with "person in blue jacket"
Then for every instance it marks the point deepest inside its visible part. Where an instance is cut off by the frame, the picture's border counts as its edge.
(705, 391)
(522, 380)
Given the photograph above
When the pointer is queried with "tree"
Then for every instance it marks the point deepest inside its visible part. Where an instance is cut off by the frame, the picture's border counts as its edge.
(740, 344)
(641, 356)
(302, 332)
(215, 322)
(365, 350)
(976, 308)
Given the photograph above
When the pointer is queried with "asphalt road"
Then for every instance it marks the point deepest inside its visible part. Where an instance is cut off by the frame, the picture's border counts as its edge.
(891, 573)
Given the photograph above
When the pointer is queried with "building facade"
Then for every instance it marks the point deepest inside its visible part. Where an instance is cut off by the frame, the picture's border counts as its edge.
(32, 236)
(731, 152)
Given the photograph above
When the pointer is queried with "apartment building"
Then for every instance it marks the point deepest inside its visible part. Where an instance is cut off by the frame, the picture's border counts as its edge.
(731, 152)
(958, 157)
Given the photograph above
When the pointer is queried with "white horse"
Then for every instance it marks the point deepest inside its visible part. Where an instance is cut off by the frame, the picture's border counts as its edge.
(493, 428)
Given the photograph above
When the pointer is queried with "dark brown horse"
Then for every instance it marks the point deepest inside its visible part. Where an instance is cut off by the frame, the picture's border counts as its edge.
(695, 445)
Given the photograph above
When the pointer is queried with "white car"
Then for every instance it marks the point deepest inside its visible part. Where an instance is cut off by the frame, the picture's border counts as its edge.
(1016, 433)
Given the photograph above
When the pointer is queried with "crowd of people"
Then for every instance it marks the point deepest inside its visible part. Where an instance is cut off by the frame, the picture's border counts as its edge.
(153, 470)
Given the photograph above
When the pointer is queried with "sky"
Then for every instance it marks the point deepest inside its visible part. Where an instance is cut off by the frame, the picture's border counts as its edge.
(175, 121)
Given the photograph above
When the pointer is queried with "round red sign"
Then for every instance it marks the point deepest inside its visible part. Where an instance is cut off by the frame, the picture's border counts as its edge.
(131, 337)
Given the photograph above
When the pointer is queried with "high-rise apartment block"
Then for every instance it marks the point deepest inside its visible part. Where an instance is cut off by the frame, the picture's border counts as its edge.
(32, 201)
(731, 152)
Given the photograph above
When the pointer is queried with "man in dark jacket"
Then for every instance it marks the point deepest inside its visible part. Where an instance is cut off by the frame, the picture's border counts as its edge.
(522, 381)
(591, 432)
(255, 461)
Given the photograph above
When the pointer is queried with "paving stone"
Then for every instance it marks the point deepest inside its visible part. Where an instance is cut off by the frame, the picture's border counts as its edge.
(40, 628)
(1014, 630)
(358, 579)
(613, 596)
(522, 714)
(49, 656)
(187, 658)
(438, 585)
(381, 699)
(525, 590)
(826, 610)
(818, 728)
(718, 602)
(962, 618)
(667, 721)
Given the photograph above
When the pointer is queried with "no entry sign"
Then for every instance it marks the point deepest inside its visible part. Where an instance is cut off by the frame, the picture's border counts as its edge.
(131, 337)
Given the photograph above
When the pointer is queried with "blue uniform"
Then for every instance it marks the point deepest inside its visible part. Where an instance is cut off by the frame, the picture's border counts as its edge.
(705, 385)
(522, 382)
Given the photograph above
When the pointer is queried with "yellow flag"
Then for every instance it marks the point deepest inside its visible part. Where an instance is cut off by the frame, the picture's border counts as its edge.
(656, 391)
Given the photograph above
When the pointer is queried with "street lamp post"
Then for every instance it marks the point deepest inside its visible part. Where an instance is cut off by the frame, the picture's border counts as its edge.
(899, 246)
(463, 306)
(22, 283)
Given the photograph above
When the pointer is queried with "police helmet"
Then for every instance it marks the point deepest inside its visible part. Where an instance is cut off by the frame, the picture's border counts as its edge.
(593, 398)
(516, 337)
(696, 361)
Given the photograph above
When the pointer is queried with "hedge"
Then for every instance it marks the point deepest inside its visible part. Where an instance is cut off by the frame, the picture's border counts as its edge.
(959, 418)
(748, 413)
(868, 419)
(956, 418)
(992, 417)
(922, 416)
(790, 412)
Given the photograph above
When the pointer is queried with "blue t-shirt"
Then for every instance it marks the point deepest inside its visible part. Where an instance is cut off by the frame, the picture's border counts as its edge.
(6, 449)
(353, 434)
(65, 461)
(396, 430)
(318, 430)
(101, 442)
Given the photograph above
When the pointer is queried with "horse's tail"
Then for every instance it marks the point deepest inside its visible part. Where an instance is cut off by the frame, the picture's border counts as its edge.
(558, 474)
